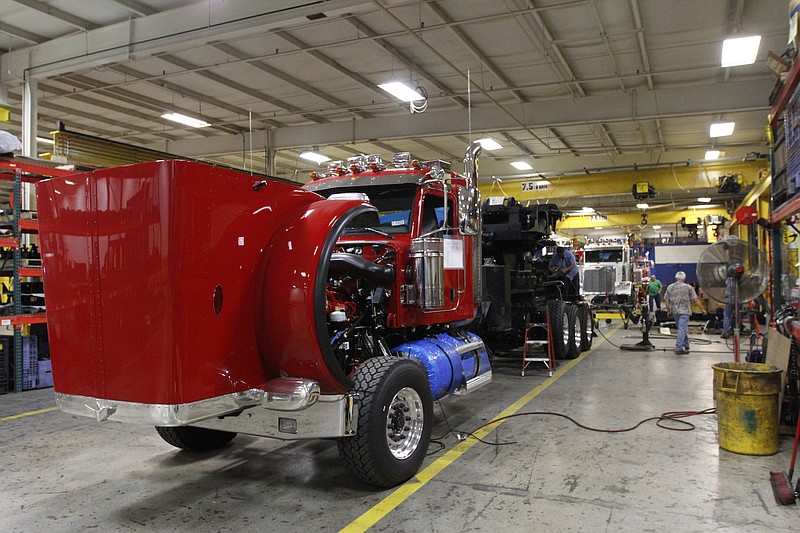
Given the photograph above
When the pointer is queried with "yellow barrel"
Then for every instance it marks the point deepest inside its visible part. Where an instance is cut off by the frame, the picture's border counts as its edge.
(747, 407)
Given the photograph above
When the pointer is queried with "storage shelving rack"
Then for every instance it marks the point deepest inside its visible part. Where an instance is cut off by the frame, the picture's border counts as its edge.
(785, 190)
(19, 171)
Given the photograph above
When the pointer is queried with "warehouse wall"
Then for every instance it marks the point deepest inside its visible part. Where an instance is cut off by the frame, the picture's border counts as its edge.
(670, 258)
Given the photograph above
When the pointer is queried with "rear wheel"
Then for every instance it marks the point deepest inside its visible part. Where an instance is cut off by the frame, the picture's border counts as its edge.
(559, 328)
(574, 341)
(587, 327)
(194, 439)
(395, 418)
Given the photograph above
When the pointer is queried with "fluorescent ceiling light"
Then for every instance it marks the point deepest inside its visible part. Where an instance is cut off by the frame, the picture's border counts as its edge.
(713, 154)
(599, 227)
(315, 157)
(400, 90)
(704, 199)
(490, 144)
(586, 209)
(656, 227)
(721, 129)
(521, 165)
(740, 51)
(704, 206)
(45, 141)
(187, 121)
(643, 206)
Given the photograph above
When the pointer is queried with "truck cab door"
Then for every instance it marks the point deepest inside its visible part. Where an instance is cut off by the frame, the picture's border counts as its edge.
(432, 218)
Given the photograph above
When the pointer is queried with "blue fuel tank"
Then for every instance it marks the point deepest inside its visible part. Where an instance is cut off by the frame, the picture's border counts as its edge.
(454, 362)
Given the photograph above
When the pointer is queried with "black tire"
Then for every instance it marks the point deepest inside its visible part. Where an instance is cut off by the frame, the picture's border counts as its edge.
(385, 385)
(587, 327)
(574, 342)
(194, 439)
(559, 328)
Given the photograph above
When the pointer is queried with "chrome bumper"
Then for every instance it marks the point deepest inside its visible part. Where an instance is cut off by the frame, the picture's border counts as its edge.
(287, 409)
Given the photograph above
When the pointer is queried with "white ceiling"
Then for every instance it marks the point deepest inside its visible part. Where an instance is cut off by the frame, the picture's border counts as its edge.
(567, 85)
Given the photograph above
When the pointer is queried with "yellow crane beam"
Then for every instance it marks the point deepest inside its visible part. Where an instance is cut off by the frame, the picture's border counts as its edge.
(686, 177)
(633, 219)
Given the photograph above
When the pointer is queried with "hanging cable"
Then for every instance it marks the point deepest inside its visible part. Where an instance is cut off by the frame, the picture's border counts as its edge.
(419, 106)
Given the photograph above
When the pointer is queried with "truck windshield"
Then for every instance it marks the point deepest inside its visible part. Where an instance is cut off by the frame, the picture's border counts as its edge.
(394, 207)
(603, 256)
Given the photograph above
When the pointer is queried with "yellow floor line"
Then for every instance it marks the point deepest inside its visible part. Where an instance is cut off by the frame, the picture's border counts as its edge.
(30, 413)
(385, 506)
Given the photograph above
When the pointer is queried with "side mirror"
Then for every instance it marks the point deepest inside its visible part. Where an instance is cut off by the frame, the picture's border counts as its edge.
(469, 211)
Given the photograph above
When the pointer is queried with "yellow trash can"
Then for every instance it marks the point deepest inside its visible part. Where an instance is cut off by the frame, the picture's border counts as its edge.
(747, 407)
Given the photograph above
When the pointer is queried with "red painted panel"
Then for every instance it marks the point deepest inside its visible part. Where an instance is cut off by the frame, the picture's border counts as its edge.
(293, 323)
(132, 258)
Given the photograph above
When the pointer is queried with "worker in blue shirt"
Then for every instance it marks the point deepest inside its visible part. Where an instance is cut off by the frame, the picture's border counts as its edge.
(563, 262)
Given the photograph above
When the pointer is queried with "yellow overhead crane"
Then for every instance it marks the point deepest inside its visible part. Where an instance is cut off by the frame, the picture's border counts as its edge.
(676, 177)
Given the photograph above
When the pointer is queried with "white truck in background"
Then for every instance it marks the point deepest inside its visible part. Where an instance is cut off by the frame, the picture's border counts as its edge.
(607, 273)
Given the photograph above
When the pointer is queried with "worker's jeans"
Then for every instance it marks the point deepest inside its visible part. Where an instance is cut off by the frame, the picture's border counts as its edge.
(655, 302)
(727, 319)
(682, 342)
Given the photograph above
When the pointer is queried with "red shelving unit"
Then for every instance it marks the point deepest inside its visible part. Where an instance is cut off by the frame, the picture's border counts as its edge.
(23, 170)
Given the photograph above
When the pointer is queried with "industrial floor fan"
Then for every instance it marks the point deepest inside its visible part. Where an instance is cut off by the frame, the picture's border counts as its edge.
(733, 272)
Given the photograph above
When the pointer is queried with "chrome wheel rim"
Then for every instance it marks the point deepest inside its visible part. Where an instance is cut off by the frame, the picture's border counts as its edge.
(565, 328)
(589, 326)
(404, 422)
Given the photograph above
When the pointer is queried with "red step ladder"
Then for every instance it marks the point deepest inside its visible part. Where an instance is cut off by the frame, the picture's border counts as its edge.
(529, 344)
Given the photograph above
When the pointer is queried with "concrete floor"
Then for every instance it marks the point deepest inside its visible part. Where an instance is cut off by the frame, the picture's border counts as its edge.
(64, 473)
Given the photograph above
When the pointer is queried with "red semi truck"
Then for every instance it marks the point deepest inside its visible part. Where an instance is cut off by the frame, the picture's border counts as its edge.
(208, 302)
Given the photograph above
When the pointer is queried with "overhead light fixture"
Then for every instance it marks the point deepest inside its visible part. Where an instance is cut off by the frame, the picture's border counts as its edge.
(656, 227)
(185, 120)
(740, 51)
(490, 144)
(703, 206)
(721, 129)
(315, 157)
(45, 141)
(704, 199)
(401, 91)
(599, 228)
(713, 154)
(643, 206)
(521, 165)
(587, 209)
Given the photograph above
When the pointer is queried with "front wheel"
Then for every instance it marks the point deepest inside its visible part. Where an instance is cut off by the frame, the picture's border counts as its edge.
(194, 439)
(395, 418)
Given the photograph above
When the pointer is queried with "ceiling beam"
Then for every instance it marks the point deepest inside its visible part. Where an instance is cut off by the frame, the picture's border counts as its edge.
(435, 149)
(477, 52)
(68, 18)
(191, 93)
(317, 54)
(191, 25)
(140, 101)
(104, 105)
(140, 8)
(19, 33)
(459, 71)
(701, 100)
(230, 84)
(291, 80)
(567, 74)
(735, 11)
(409, 64)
